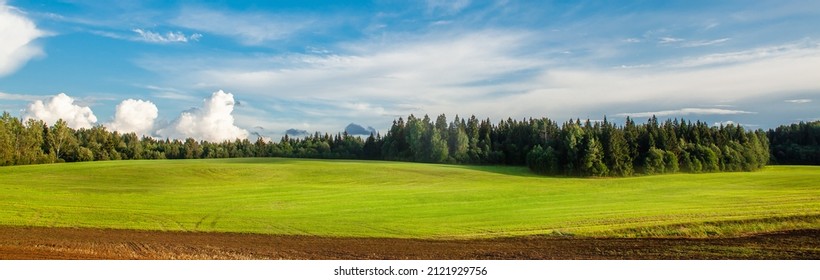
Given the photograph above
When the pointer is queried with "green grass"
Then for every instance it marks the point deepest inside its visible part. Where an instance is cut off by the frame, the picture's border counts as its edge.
(392, 199)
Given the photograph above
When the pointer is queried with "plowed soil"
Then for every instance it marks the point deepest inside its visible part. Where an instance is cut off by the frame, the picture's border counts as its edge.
(78, 243)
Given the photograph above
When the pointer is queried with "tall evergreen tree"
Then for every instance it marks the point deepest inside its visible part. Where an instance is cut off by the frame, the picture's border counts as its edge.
(458, 141)
(593, 162)
(572, 137)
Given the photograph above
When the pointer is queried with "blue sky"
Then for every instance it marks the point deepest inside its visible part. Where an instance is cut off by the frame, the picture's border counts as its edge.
(166, 68)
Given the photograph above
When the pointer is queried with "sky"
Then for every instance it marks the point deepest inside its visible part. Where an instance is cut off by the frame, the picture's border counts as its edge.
(220, 70)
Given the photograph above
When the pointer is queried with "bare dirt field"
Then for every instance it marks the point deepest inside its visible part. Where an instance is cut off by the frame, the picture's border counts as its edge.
(79, 243)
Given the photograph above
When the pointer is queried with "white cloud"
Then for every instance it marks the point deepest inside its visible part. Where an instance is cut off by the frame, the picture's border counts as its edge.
(669, 40)
(562, 90)
(685, 112)
(170, 37)
(363, 108)
(17, 35)
(168, 93)
(61, 106)
(134, 116)
(798, 49)
(249, 28)
(798, 101)
(511, 75)
(433, 75)
(706, 43)
(213, 122)
(426, 70)
(726, 123)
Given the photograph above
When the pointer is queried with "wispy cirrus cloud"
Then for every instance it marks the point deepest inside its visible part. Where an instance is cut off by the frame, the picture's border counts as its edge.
(460, 57)
(168, 93)
(248, 28)
(413, 68)
(367, 82)
(504, 77)
(169, 37)
(793, 49)
(689, 44)
(799, 101)
(704, 43)
(725, 123)
(670, 40)
(147, 36)
(685, 112)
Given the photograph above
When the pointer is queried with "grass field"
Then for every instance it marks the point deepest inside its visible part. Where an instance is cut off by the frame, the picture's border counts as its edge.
(392, 199)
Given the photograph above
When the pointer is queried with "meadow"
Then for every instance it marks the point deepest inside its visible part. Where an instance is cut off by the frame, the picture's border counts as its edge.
(396, 199)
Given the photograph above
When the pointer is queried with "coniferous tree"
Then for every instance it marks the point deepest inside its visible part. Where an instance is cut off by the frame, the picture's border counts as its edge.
(572, 137)
(592, 163)
(458, 141)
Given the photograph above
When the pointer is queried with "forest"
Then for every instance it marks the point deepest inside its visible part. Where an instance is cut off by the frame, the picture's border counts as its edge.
(797, 143)
(573, 148)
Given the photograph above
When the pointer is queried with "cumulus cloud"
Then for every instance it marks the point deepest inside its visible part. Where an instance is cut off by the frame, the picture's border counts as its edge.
(685, 112)
(170, 37)
(134, 116)
(17, 34)
(213, 122)
(61, 106)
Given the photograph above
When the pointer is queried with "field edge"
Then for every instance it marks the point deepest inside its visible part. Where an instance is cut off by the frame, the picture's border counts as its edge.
(29, 243)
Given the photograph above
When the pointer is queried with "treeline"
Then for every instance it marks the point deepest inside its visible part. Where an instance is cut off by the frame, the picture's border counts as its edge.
(34, 142)
(606, 149)
(796, 143)
(578, 149)
(572, 148)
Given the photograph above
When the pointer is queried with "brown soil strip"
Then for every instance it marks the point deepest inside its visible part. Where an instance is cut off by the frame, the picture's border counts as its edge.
(78, 243)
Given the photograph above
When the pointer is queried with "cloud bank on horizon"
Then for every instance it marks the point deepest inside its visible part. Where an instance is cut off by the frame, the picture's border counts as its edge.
(213, 122)
(304, 67)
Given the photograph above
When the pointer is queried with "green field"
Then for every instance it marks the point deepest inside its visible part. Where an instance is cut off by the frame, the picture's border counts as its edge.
(393, 199)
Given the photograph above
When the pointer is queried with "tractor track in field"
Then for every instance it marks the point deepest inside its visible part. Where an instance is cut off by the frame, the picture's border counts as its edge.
(83, 243)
